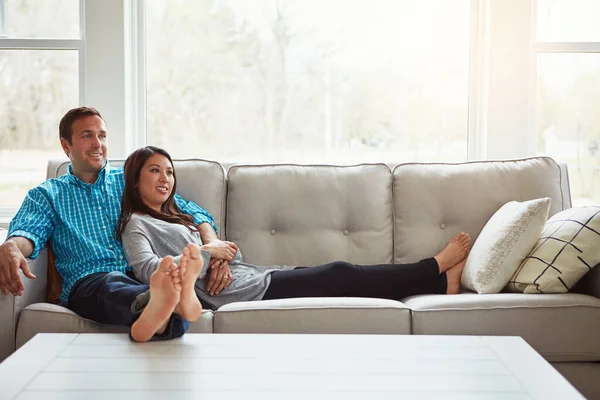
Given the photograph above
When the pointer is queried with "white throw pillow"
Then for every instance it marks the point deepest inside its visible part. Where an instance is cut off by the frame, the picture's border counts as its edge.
(503, 243)
(568, 248)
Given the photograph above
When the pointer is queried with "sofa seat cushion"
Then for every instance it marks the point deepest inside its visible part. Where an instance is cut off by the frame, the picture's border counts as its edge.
(315, 315)
(52, 318)
(561, 327)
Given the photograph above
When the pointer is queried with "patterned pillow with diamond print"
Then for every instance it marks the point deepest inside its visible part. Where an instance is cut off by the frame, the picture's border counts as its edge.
(568, 248)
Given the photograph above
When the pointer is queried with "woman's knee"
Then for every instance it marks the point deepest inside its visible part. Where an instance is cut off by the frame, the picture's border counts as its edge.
(343, 268)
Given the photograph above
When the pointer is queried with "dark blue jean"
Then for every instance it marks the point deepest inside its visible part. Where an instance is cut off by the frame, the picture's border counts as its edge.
(117, 299)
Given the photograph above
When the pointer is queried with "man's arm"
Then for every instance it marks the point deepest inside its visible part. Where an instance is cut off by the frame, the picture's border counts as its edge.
(28, 232)
(199, 214)
(221, 252)
(12, 258)
(220, 249)
(208, 230)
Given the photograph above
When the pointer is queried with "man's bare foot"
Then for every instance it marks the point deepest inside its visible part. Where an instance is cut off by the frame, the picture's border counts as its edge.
(190, 265)
(165, 289)
(453, 277)
(454, 252)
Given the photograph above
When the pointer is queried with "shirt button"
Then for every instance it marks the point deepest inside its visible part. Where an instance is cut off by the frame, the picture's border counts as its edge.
(99, 208)
(103, 227)
(346, 232)
(443, 226)
(120, 257)
(272, 231)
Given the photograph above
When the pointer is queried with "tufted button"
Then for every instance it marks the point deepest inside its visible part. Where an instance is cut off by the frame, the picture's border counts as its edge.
(272, 231)
(443, 226)
(346, 232)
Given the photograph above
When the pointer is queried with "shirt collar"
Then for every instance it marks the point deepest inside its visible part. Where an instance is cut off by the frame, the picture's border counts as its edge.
(101, 176)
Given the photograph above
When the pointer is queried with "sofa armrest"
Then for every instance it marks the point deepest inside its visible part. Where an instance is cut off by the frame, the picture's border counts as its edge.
(590, 283)
(11, 306)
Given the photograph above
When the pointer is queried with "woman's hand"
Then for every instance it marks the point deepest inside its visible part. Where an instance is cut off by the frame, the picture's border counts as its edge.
(223, 250)
(220, 276)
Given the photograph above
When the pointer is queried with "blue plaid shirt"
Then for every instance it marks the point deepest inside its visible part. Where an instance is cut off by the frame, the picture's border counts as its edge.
(79, 219)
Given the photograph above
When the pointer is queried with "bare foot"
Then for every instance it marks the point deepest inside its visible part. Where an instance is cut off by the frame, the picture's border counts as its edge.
(453, 277)
(454, 252)
(190, 265)
(165, 291)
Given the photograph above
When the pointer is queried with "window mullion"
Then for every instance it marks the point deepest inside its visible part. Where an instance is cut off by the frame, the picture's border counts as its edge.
(2, 18)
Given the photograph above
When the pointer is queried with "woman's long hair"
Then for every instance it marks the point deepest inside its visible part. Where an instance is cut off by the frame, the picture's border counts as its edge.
(132, 202)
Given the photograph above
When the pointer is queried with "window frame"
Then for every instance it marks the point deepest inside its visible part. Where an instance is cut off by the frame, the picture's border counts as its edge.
(7, 43)
(112, 74)
(551, 47)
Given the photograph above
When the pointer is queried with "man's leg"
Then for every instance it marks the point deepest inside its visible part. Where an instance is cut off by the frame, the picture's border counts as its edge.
(106, 297)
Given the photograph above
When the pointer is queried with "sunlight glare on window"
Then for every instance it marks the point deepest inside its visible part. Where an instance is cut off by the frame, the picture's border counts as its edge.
(308, 81)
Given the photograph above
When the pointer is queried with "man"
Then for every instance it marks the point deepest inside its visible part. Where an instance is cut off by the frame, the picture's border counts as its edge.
(77, 214)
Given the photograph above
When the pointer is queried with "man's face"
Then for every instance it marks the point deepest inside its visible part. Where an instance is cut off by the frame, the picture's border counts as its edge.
(87, 150)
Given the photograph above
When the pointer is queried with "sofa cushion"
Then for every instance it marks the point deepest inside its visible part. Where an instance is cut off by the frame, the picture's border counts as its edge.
(565, 252)
(561, 327)
(315, 315)
(503, 243)
(51, 318)
(432, 202)
(309, 215)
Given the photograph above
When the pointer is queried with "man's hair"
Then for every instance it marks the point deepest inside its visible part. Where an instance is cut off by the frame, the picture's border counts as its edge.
(65, 128)
(132, 201)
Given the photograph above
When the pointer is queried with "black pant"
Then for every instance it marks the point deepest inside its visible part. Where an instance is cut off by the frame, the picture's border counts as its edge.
(342, 279)
(110, 298)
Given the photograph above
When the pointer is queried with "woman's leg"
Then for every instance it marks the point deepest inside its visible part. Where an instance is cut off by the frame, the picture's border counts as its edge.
(388, 281)
(342, 279)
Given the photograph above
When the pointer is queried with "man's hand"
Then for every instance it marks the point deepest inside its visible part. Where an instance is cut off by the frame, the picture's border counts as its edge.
(220, 249)
(220, 276)
(11, 260)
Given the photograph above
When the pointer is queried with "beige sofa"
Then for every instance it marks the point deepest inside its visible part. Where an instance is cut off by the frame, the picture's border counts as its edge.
(369, 213)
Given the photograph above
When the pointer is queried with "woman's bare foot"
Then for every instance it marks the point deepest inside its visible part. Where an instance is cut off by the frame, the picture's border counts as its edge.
(190, 265)
(453, 277)
(165, 291)
(454, 252)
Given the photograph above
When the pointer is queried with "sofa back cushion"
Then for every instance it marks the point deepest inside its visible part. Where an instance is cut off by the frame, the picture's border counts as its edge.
(200, 181)
(309, 215)
(432, 202)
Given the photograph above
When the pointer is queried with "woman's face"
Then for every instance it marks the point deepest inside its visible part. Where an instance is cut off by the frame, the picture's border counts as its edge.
(156, 181)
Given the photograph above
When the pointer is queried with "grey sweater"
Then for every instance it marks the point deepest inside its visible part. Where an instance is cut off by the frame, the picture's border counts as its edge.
(146, 240)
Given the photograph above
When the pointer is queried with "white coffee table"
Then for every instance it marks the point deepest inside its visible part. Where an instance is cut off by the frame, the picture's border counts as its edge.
(242, 367)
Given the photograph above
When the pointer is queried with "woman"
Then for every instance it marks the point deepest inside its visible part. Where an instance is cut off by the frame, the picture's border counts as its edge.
(151, 227)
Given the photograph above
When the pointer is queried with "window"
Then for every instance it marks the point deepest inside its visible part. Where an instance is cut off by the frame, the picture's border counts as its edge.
(39, 81)
(308, 81)
(568, 91)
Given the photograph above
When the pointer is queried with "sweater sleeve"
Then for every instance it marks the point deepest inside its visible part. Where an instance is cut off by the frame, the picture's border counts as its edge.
(140, 256)
(140, 253)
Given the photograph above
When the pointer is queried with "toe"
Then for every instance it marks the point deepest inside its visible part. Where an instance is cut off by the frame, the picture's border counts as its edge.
(165, 264)
(194, 250)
